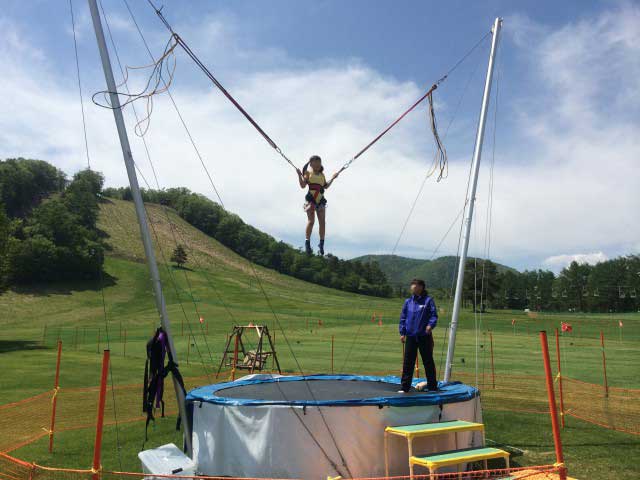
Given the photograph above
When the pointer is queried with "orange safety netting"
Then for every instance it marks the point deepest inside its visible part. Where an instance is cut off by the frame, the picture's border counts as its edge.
(15, 469)
(28, 420)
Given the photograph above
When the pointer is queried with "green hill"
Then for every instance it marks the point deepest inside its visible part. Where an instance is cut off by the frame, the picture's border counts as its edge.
(438, 273)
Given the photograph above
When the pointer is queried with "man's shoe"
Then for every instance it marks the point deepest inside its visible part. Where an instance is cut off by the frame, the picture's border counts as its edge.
(307, 247)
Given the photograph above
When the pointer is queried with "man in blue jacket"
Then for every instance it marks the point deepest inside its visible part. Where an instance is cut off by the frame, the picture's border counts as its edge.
(418, 318)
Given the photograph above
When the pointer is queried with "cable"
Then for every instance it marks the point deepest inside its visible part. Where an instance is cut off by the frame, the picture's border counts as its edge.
(175, 106)
(100, 272)
(75, 49)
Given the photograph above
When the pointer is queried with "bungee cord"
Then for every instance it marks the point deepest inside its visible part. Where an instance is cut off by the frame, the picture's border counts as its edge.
(441, 159)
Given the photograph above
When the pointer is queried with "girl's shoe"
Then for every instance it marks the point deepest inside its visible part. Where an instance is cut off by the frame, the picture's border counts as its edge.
(307, 247)
(321, 247)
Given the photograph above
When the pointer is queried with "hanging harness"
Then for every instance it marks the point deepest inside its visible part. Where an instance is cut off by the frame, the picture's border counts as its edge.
(155, 372)
(316, 183)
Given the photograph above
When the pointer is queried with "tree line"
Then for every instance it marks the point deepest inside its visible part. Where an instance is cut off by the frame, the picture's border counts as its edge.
(606, 287)
(48, 223)
(261, 248)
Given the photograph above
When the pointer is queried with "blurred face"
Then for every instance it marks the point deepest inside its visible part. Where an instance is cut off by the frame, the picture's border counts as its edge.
(315, 165)
(416, 289)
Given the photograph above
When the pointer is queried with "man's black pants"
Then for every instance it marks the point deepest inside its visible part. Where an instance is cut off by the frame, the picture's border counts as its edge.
(411, 347)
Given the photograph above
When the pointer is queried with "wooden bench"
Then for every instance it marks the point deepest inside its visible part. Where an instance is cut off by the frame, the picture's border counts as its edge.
(410, 432)
(456, 457)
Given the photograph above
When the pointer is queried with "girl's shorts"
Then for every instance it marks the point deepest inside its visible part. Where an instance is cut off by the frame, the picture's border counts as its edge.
(312, 205)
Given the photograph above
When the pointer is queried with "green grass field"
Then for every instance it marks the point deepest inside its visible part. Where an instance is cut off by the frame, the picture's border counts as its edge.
(219, 286)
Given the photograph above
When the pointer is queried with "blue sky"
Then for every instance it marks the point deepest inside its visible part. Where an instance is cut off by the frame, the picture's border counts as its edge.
(324, 77)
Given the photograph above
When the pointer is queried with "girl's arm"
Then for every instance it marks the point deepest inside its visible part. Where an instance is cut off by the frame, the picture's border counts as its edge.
(301, 178)
(333, 177)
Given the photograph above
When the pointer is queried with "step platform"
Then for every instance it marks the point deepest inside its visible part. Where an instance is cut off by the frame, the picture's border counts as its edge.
(457, 457)
(411, 432)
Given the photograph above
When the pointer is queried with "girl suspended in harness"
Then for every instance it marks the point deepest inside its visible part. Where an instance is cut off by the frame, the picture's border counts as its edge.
(312, 176)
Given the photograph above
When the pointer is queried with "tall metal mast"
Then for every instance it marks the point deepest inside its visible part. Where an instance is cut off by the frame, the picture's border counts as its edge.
(140, 211)
(471, 199)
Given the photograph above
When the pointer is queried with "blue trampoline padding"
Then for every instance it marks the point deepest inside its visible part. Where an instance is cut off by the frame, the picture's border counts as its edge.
(384, 393)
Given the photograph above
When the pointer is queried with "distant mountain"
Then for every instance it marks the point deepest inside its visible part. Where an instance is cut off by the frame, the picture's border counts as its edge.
(437, 273)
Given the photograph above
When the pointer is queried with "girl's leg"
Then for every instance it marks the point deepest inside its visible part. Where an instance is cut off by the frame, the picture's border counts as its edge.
(310, 220)
(321, 217)
(311, 213)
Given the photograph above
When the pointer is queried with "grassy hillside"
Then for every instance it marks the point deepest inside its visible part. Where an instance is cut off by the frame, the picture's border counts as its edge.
(220, 286)
(438, 273)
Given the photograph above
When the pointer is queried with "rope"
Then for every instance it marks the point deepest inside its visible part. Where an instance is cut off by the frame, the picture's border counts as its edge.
(440, 163)
(412, 107)
(155, 85)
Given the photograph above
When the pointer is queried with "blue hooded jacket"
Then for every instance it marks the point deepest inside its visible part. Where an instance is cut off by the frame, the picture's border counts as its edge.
(417, 313)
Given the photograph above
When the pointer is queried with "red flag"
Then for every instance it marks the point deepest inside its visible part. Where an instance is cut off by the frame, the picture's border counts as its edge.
(513, 321)
(373, 318)
(620, 323)
(201, 319)
(380, 321)
(566, 327)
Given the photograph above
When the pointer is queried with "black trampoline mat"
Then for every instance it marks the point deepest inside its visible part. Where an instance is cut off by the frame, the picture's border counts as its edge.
(311, 390)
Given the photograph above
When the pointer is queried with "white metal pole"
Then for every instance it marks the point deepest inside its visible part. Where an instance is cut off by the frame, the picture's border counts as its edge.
(140, 211)
(471, 198)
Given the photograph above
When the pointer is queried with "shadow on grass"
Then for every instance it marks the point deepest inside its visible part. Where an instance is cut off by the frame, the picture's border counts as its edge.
(179, 267)
(7, 346)
(66, 287)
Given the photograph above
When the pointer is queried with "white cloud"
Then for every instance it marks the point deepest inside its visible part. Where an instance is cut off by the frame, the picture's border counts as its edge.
(566, 182)
(558, 262)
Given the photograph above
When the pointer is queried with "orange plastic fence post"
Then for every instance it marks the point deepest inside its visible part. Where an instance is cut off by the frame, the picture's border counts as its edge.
(493, 372)
(235, 358)
(332, 348)
(97, 446)
(54, 400)
(553, 411)
(604, 366)
(560, 378)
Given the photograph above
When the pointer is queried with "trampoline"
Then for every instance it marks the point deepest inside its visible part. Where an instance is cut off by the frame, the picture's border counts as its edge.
(319, 425)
